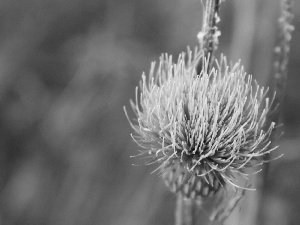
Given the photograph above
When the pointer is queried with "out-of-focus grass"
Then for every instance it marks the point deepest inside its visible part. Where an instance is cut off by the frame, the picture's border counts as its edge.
(66, 70)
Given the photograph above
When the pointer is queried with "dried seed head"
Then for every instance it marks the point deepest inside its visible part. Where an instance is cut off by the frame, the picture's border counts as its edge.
(203, 129)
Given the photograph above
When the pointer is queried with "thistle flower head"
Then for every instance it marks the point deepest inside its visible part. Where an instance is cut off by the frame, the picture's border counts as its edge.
(202, 129)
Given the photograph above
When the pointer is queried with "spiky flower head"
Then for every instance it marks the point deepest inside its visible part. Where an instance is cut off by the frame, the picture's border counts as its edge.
(203, 129)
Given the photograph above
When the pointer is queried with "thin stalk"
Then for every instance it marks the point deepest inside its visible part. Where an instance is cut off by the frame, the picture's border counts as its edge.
(184, 211)
(278, 84)
(188, 211)
(209, 34)
(282, 51)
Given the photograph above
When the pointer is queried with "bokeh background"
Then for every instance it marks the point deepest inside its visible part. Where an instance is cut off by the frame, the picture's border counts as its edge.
(67, 68)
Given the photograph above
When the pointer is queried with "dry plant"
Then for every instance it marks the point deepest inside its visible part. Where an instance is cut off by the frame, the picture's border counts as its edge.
(207, 123)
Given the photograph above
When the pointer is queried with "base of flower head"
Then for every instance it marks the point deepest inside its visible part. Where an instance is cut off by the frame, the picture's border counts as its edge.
(179, 179)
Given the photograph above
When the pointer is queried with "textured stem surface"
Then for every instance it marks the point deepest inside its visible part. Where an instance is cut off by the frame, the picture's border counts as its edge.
(208, 36)
(282, 51)
(278, 83)
(188, 211)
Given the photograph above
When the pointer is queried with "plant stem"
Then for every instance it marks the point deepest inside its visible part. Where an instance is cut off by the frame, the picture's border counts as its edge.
(282, 51)
(188, 211)
(277, 83)
(208, 36)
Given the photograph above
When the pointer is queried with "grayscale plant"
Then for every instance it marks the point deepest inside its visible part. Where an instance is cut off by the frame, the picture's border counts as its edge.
(203, 129)
(206, 123)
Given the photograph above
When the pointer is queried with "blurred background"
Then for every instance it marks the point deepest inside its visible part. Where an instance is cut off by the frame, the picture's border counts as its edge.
(67, 68)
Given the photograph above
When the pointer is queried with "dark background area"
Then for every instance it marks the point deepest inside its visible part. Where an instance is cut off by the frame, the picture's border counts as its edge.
(67, 68)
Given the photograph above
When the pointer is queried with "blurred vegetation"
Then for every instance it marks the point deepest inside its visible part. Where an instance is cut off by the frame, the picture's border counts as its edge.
(68, 67)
